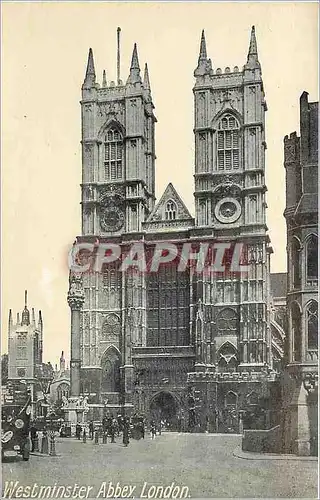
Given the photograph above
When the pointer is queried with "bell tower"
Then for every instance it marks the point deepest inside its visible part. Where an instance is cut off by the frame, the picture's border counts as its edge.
(118, 152)
(230, 144)
(117, 196)
(230, 200)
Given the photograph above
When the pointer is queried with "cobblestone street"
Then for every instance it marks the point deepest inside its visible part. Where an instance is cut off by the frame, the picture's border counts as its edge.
(205, 464)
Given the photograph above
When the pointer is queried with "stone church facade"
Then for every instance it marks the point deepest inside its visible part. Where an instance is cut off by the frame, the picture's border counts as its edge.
(300, 378)
(193, 348)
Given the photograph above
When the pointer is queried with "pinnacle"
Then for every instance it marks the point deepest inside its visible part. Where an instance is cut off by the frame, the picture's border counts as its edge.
(203, 47)
(204, 64)
(90, 65)
(90, 77)
(104, 79)
(135, 59)
(146, 80)
(134, 76)
(253, 51)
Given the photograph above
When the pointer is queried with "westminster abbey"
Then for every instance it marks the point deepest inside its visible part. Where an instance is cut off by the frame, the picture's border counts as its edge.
(198, 351)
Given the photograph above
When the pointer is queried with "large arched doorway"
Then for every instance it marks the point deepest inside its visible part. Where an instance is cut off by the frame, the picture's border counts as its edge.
(164, 408)
(110, 364)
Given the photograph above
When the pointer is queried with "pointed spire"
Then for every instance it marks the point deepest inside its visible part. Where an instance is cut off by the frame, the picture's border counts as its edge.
(10, 320)
(135, 59)
(62, 362)
(203, 47)
(134, 76)
(146, 80)
(25, 319)
(18, 319)
(40, 323)
(33, 318)
(104, 79)
(252, 58)
(90, 78)
(204, 66)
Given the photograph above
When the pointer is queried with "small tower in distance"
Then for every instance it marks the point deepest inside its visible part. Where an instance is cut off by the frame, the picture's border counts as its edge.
(24, 345)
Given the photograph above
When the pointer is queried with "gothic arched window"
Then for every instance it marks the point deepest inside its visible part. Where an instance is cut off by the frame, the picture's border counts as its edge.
(312, 325)
(171, 210)
(228, 143)
(296, 331)
(110, 364)
(113, 154)
(252, 398)
(296, 263)
(227, 322)
(111, 328)
(231, 399)
(168, 299)
(111, 276)
(312, 258)
(62, 390)
(227, 358)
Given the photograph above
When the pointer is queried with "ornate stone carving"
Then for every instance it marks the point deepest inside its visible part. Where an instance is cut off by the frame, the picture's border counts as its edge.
(111, 218)
(76, 293)
(227, 188)
(290, 150)
(310, 382)
(111, 190)
(112, 207)
(89, 192)
(88, 108)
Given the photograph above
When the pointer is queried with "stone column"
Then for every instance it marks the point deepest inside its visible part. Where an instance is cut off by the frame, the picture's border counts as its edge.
(75, 301)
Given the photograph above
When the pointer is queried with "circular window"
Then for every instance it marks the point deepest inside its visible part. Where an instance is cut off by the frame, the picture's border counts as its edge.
(227, 210)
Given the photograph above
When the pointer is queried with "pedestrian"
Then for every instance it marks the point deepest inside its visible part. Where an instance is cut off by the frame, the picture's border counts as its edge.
(153, 429)
(116, 427)
(104, 424)
(142, 428)
(112, 430)
(91, 429)
(33, 436)
(125, 431)
(78, 431)
(120, 424)
(44, 442)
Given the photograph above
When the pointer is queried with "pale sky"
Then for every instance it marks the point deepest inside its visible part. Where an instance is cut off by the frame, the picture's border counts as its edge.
(44, 55)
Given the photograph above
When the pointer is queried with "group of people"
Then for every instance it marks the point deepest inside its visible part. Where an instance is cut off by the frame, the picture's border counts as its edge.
(112, 427)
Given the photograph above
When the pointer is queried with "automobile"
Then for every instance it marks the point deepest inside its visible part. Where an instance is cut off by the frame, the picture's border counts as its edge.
(15, 426)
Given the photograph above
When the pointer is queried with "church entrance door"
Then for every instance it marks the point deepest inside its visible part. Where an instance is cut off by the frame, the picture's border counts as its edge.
(164, 408)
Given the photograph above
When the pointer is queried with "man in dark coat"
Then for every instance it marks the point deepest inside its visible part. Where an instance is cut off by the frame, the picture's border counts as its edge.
(78, 431)
(33, 436)
(91, 429)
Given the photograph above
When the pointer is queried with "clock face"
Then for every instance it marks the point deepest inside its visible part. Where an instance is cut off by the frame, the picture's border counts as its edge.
(227, 210)
(111, 219)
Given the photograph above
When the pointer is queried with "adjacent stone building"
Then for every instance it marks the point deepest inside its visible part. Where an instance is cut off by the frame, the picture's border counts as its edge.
(25, 347)
(193, 349)
(300, 384)
(60, 385)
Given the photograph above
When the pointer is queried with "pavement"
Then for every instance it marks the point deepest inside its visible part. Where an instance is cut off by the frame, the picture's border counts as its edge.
(178, 465)
(247, 455)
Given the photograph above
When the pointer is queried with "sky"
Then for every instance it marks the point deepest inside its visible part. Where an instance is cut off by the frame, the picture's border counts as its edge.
(44, 55)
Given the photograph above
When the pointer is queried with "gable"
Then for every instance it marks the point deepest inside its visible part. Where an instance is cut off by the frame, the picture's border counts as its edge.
(170, 207)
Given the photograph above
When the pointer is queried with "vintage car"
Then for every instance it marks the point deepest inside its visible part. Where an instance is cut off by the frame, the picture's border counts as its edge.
(15, 423)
